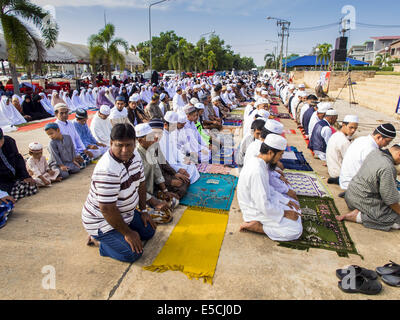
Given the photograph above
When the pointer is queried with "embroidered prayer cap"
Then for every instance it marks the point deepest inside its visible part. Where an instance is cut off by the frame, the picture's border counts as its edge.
(291, 86)
(263, 113)
(276, 141)
(274, 126)
(35, 146)
(60, 106)
(182, 118)
(199, 106)
(81, 113)
(216, 98)
(193, 101)
(156, 124)
(350, 119)
(162, 96)
(331, 112)
(142, 130)
(387, 130)
(104, 109)
(261, 101)
(229, 88)
(301, 85)
(51, 125)
(171, 117)
(258, 89)
(134, 98)
(323, 107)
(303, 94)
(264, 92)
(120, 98)
(155, 97)
(189, 108)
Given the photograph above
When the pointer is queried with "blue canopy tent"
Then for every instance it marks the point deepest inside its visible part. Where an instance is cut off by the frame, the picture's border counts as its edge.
(310, 61)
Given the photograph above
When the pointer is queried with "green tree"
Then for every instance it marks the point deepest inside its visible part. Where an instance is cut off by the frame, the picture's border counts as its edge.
(104, 47)
(20, 38)
(177, 60)
(212, 60)
(324, 54)
(270, 61)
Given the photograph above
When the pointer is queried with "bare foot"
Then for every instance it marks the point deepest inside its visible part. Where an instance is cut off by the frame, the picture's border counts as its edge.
(253, 226)
(59, 179)
(92, 242)
(351, 216)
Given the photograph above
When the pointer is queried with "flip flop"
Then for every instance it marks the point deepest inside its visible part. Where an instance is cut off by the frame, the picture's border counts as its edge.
(392, 280)
(387, 269)
(362, 285)
(369, 274)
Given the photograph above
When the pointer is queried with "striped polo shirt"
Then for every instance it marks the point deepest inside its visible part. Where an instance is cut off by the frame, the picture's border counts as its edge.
(112, 182)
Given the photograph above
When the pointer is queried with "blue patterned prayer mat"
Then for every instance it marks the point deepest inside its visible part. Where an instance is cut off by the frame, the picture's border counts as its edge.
(225, 156)
(213, 191)
(289, 148)
(299, 164)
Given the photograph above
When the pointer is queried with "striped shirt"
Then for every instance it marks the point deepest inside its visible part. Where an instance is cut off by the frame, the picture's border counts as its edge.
(112, 182)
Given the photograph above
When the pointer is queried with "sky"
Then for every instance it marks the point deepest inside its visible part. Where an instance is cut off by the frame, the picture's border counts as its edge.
(241, 23)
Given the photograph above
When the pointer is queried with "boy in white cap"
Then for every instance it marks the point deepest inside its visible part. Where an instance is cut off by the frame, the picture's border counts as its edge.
(338, 145)
(101, 125)
(38, 167)
(321, 134)
(317, 116)
(263, 209)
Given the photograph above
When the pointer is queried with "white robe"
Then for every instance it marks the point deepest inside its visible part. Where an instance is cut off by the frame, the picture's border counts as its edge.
(335, 151)
(9, 115)
(101, 129)
(354, 158)
(313, 121)
(168, 145)
(177, 103)
(258, 203)
(117, 116)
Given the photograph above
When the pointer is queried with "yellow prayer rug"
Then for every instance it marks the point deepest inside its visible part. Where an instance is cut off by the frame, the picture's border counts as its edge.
(194, 244)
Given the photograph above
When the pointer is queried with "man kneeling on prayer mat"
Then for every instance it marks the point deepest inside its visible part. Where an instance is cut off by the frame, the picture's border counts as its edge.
(256, 128)
(372, 193)
(118, 186)
(263, 209)
(337, 147)
(169, 147)
(321, 134)
(158, 195)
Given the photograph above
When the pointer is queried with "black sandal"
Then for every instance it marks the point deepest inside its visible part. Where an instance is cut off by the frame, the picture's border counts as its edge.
(392, 279)
(388, 269)
(369, 274)
(362, 285)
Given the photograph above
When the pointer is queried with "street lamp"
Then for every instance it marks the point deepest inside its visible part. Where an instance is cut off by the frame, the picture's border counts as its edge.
(152, 4)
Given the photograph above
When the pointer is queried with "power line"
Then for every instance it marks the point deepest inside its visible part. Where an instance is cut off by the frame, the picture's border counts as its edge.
(368, 25)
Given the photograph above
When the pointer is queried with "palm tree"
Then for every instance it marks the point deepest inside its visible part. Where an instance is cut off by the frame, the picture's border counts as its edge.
(212, 60)
(104, 47)
(324, 53)
(20, 38)
(270, 60)
(133, 49)
(178, 60)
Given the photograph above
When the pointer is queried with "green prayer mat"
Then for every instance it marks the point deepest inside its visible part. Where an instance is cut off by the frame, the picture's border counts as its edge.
(321, 229)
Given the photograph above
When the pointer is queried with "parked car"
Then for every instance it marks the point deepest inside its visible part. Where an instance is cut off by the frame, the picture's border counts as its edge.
(170, 74)
(207, 73)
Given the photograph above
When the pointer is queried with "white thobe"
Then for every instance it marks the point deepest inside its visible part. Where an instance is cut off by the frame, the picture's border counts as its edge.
(258, 203)
(326, 133)
(335, 151)
(117, 116)
(354, 158)
(247, 110)
(101, 129)
(190, 142)
(313, 121)
(177, 103)
(169, 147)
(303, 110)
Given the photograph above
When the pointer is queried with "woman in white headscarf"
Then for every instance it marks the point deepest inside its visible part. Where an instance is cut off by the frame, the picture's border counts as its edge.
(76, 102)
(46, 103)
(109, 95)
(82, 97)
(10, 114)
(68, 101)
(95, 93)
(90, 98)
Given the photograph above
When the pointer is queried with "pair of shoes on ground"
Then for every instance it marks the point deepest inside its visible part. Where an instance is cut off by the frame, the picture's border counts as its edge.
(356, 279)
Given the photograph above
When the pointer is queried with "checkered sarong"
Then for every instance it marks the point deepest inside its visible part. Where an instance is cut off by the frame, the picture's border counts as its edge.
(22, 189)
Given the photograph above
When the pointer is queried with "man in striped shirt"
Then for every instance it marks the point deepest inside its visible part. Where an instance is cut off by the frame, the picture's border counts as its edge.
(118, 186)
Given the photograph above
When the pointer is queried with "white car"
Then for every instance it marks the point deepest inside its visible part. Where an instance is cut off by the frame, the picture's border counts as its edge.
(169, 74)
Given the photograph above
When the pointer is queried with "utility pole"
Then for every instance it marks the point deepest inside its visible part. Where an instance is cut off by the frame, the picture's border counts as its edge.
(284, 25)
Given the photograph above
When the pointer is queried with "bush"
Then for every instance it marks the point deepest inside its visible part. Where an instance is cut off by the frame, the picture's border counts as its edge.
(370, 68)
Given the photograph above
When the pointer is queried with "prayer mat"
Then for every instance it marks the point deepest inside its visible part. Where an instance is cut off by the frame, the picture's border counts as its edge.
(321, 229)
(194, 245)
(231, 122)
(213, 191)
(274, 109)
(234, 117)
(283, 115)
(238, 111)
(299, 164)
(289, 148)
(307, 184)
(291, 131)
(213, 168)
(225, 156)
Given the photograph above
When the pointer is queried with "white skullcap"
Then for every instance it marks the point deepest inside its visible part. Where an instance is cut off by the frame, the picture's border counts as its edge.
(142, 130)
(262, 101)
(302, 94)
(276, 141)
(182, 118)
(291, 86)
(331, 112)
(323, 107)
(194, 101)
(351, 119)
(134, 98)
(104, 109)
(302, 85)
(216, 98)
(199, 106)
(35, 146)
(229, 88)
(264, 92)
(258, 89)
(171, 117)
(263, 113)
(274, 126)
(60, 105)
(162, 96)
